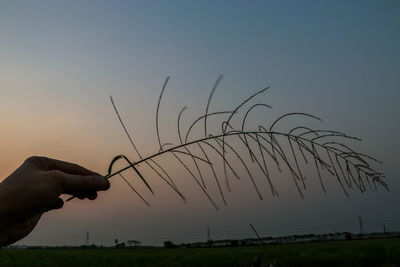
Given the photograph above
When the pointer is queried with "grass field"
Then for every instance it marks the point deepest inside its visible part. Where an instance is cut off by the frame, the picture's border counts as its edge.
(376, 252)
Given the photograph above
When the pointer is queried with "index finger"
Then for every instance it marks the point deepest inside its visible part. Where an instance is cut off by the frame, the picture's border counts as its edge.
(48, 164)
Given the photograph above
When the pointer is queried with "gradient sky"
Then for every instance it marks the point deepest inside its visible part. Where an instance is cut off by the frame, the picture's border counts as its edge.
(60, 61)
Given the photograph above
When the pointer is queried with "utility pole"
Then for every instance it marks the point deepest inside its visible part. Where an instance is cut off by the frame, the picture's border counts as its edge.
(254, 230)
(362, 231)
(384, 228)
(87, 238)
(208, 234)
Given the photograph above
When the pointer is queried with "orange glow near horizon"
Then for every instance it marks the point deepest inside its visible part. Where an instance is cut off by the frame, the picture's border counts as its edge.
(61, 60)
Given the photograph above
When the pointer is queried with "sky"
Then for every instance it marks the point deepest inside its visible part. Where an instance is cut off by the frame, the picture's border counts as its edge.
(60, 62)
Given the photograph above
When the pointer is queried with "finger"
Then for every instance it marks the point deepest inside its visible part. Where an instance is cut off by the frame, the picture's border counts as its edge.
(48, 164)
(78, 185)
(89, 195)
(92, 195)
(57, 205)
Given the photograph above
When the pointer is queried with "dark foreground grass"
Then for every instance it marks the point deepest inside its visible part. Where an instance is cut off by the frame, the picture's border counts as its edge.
(377, 252)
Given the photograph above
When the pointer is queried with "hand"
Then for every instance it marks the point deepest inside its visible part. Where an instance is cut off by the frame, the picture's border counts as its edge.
(35, 187)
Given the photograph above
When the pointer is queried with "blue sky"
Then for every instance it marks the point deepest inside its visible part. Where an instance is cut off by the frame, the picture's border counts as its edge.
(60, 61)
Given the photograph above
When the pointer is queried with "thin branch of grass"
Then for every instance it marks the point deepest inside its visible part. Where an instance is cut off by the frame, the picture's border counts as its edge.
(215, 175)
(342, 172)
(192, 155)
(255, 159)
(172, 184)
(273, 190)
(223, 159)
(244, 165)
(116, 158)
(228, 134)
(231, 116)
(137, 193)
(158, 109)
(263, 158)
(198, 183)
(245, 118)
(262, 144)
(209, 101)
(297, 163)
(241, 105)
(202, 117)
(123, 126)
(336, 173)
(187, 149)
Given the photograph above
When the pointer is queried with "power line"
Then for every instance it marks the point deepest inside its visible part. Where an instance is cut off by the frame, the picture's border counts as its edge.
(87, 238)
(362, 231)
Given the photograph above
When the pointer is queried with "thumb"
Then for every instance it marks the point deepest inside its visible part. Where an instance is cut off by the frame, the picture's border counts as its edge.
(57, 205)
(78, 184)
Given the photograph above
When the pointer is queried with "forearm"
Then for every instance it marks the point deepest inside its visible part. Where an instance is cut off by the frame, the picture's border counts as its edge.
(4, 238)
(35, 187)
(7, 214)
(4, 217)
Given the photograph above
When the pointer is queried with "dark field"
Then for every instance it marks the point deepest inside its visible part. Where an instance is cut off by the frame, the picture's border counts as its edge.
(373, 252)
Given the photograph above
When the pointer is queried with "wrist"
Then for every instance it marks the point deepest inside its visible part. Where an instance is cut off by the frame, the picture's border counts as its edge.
(3, 219)
(4, 211)
(4, 238)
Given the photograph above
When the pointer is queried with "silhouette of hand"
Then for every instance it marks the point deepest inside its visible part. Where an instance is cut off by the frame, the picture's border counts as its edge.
(35, 187)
